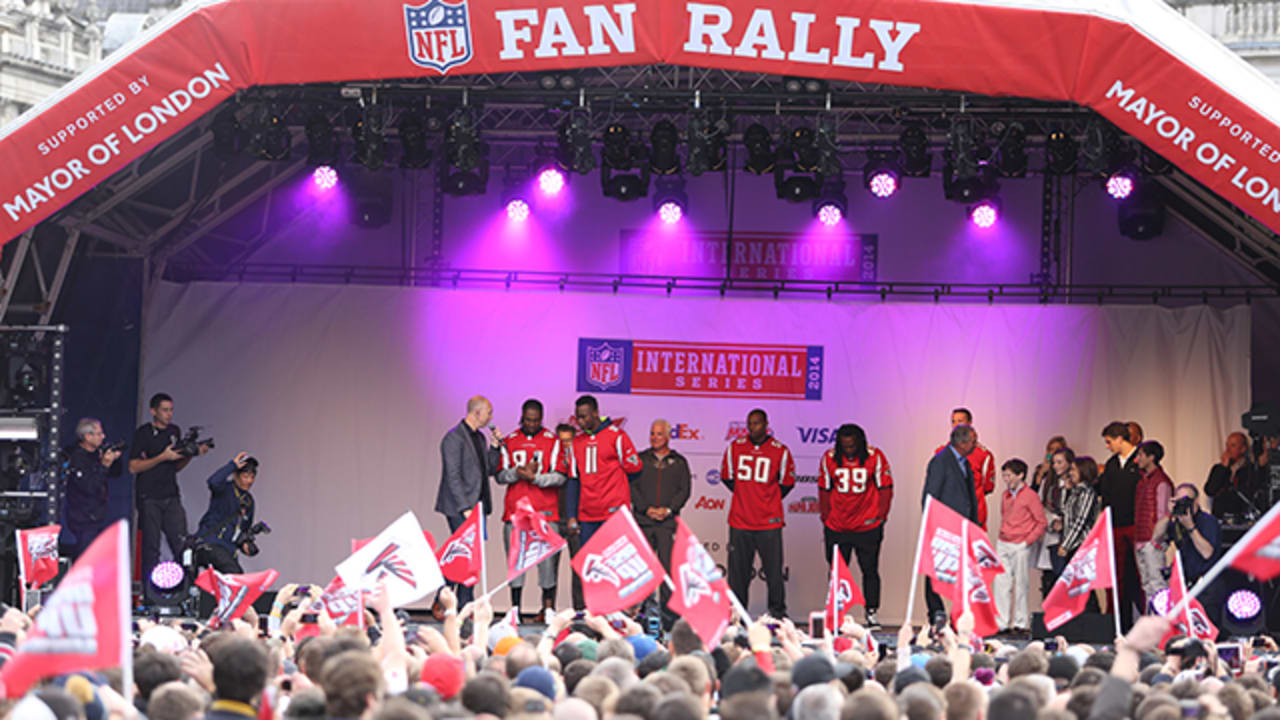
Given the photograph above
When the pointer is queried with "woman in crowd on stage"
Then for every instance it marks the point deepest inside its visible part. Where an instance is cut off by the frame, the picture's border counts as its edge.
(1080, 508)
(1050, 490)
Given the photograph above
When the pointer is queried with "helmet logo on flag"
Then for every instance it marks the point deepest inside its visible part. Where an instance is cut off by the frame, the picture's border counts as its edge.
(696, 575)
(1080, 574)
(42, 545)
(531, 548)
(604, 365)
(1271, 550)
(844, 593)
(594, 569)
(460, 548)
(439, 34)
(388, 562)
(985, 554)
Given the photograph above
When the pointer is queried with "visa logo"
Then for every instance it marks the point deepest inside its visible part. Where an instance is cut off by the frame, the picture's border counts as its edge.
(821, 435)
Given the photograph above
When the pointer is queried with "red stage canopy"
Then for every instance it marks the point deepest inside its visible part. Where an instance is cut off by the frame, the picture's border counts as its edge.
(1137, 63)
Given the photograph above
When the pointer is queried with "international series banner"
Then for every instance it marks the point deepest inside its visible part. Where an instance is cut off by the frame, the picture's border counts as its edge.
(835, 256)
(659, 367)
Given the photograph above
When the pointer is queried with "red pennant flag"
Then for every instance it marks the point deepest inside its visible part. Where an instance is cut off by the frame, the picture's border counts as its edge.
(1192, 615)
(617, 566)
(38, 555)
(1091, 568)
(462, 555)
(981, 565)
(1259, 554)
(235, 593)
(699, 594)
(345, 605)
(85, 623)
(940, 552)
(842, 592)
(532, 540)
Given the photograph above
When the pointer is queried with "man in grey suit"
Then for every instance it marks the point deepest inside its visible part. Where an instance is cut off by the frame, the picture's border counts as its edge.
(949, 479)
(469, 455)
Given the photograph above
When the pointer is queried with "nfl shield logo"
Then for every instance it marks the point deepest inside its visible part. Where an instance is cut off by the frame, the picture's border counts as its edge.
(604, 365)
(439, 34)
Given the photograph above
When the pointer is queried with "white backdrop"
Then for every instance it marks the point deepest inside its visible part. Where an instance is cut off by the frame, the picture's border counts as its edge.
(343, 393)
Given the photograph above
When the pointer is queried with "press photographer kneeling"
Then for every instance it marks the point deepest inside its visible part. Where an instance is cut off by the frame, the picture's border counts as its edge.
(1197, 537)
(227, 527)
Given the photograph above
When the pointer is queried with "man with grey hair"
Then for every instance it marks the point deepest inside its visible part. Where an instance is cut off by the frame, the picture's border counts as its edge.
(949, 480)
(88, 467)
(657, 495)
(618, 670)
(817, 702)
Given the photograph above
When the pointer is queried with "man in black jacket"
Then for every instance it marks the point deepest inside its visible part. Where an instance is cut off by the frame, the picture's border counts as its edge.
(658, 493)
(230, 514)
(949, 480)
(1118, 488)
(1235, 483)
(88, 467)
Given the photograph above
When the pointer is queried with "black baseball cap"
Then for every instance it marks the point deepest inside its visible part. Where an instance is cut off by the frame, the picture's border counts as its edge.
(817, 668)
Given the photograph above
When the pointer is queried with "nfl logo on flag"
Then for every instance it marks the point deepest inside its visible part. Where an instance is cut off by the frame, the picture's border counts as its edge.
(439, 34)
(604, 365)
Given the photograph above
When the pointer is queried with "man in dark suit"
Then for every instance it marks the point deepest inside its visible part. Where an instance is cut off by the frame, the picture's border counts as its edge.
(469, 455)
(949, 480)
(1118, 488)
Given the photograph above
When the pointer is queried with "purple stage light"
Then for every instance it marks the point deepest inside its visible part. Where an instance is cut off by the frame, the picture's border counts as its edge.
(1244, 604)
(670, 212)
(883, 184)
(830, 214)
(984, 214)
(167, 575)
(325, 177)
(1120, 186)
(551, 181)
(518, 210)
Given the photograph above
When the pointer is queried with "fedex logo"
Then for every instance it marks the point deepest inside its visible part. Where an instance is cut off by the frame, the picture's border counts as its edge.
(682, 431)
(706, 503)
(819, 435)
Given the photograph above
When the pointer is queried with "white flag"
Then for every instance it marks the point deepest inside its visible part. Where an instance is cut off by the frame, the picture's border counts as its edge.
(400, 556)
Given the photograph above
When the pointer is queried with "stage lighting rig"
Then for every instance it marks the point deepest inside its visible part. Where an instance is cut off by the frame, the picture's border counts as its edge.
(827, 142)
(575, 144)
(468, 157)
(269, 138)
(670, 201)
(914, 144)
(168, 589)
(370, 137)
(1011, 152)
(226, 134)
(1060, 152)
(707, 148)
(551, 179)
(759, 145)
(322, 144)
(1141, 214)
(620, 156)
(832, 204)
(967, 173)
(664, 139)
(882, 175)
(800, 155)
(413, 142)
(1243, 614)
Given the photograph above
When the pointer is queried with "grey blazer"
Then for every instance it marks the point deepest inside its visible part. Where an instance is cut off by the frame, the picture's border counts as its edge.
(464, 477)
(950, 484)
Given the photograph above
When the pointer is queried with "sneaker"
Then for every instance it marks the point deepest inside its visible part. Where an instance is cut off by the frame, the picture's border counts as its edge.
(545, 616)
(873, 622)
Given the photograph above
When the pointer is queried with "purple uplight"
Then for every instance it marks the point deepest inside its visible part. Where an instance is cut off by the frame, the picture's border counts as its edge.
(1244, 604)
(1120, 186)
(166, 575)
(325, 177)
(551, 181)
(517, 210)
(984, 214)
(883, 184)
(830, 214)
(670, 212)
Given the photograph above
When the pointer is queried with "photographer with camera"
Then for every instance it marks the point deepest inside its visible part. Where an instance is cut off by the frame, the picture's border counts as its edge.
(89, 464)
(158, 453)
(1197, 537)
(227, 527)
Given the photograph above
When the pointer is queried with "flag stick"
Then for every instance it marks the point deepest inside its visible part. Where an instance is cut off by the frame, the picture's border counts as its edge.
(484, 581)
(1225, 561)
(22, 571)
(1182, 579)
(915, 566)
(964, 567)
(1115, 587)
(737, 605)
(124, 568)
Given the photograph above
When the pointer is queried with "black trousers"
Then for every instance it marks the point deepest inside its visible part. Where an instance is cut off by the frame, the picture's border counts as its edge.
(933, 600)
(464, 593)
(222, 559)
(866, 545)
(661, 539)
(156, 517)
(574, 540)
(744, 545)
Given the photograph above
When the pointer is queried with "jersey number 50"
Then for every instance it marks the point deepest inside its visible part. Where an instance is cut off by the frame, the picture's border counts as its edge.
(753, 468)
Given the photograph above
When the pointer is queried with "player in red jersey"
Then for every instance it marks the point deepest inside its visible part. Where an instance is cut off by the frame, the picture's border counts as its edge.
(855, 490)
(533, 468)
(759, 471)
(602, 457)
(981, 461)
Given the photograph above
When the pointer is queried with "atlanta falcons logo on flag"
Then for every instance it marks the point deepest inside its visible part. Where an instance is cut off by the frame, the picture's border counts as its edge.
(1079, 575)
(594, 569)
(42, 546)
(388, 562)
(460, 548)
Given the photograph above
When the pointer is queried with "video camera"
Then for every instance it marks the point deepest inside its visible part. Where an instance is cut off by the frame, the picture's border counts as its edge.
(246, 540)
(117, 446)
(1184, 506)
(190, 444)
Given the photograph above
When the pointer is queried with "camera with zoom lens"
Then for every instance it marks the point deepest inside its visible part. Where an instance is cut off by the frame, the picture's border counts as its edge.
(190, 444)
(1184, 506)
(246, 541)
(117, 446)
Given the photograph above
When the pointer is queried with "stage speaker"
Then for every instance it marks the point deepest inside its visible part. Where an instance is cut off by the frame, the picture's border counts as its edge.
(1092, 628)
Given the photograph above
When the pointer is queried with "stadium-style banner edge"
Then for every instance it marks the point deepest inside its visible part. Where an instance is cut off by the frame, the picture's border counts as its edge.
(151, 89)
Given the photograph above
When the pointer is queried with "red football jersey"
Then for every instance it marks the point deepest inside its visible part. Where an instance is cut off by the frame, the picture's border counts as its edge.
(854, 496)
(543, 449)
(758, 473)
(601, 462)
(983, 465)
